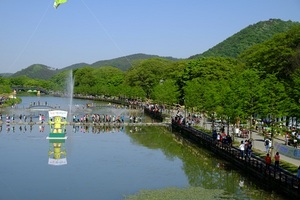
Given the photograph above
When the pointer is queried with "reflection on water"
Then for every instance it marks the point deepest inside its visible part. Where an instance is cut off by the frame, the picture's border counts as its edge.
(121, 160)
(57, 152)
(97, 129)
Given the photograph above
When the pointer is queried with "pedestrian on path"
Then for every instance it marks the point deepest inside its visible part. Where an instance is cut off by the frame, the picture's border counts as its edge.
(267, 145)
(277, 158)
(268, 161)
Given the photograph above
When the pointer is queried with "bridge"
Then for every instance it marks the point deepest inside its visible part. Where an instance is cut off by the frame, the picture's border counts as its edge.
(26, 89)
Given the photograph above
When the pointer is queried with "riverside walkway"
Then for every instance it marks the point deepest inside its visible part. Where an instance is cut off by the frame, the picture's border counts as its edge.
(276, 179)
(278, 145)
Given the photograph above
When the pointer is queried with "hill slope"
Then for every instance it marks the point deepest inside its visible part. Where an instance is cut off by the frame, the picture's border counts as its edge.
(75, 66)
(39, 71)
(247, 37)
(36, 71)
(125, 62)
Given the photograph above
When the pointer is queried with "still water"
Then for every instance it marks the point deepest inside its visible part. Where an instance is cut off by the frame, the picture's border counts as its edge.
(108, 163)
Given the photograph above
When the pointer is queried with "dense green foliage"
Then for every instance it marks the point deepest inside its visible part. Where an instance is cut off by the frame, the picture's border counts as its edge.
(279, 55)
(247, 37)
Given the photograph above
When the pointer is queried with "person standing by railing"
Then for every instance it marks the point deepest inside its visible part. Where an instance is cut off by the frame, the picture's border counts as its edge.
(268, 161)
(277, 158)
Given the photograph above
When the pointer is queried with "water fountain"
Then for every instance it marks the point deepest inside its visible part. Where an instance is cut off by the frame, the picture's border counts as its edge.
(70, 90)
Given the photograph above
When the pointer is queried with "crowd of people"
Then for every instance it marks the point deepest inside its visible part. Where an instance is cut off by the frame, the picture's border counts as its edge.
(293, 137)
(105, 118)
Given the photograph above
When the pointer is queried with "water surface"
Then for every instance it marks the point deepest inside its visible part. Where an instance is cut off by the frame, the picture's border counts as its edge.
(110, 163)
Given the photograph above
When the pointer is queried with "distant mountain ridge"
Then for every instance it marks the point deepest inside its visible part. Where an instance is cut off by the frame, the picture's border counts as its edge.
(39, 71)
(231, 47)
(247, 37)
(123, 63)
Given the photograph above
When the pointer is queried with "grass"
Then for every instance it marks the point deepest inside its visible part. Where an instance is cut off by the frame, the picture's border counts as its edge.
(283, 164)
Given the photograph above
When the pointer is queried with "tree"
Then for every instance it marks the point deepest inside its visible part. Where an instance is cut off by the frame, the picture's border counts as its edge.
(274, 99)
(84, 80)
(147, 74)
(166, 92)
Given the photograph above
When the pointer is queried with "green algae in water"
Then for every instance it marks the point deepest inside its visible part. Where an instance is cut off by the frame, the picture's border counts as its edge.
(191, 193)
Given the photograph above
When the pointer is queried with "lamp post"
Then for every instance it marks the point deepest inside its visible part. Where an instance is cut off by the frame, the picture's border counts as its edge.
(228, 123)
(184, 111)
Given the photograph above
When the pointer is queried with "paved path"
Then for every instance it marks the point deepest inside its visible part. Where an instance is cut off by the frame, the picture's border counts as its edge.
(258, 143)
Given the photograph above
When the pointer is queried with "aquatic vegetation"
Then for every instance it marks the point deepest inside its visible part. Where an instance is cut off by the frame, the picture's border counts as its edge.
(191, 193)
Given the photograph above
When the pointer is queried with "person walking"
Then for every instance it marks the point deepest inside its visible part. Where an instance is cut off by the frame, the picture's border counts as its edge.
(242, 149)
(267, 145)
(277, 158)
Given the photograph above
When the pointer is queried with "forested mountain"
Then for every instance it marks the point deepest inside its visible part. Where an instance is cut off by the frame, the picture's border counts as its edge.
(36, 71)
(125, 62)
(5, 74)
(280, 55)
(247, 37)
(44, 72)
(122, 63)
(75, 66)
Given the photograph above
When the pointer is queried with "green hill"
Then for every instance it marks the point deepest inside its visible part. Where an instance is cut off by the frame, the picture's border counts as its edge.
(36, 71)
(122, 63)
(247, 37)
(125, 62)
(5, 74)
(39, 71)
(75, 66)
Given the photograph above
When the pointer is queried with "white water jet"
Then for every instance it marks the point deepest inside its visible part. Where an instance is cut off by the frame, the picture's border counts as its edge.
(70, 90)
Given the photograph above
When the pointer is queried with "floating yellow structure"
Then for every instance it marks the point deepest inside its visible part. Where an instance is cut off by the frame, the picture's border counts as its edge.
(57, 121)
(57, 136)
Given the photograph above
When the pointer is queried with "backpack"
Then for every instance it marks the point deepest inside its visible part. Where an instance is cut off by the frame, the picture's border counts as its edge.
(267, 142)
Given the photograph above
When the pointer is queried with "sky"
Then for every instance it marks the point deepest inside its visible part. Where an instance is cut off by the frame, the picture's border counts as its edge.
(33, 32)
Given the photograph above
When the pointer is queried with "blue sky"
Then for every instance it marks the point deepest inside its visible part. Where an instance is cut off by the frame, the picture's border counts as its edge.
(33, 32)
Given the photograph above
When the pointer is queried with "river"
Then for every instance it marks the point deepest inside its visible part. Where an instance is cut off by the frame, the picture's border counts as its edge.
(110, 162)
